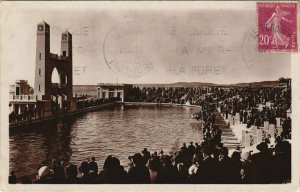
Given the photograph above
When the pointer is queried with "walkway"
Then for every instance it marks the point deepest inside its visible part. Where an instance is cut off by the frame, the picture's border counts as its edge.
(229, 139)
(58, 115)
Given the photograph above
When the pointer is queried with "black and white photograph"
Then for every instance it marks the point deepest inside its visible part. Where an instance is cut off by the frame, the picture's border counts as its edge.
(149, 93)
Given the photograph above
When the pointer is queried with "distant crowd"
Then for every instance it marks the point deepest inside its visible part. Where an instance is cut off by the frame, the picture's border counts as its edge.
(244, 101)
(29, 113)
(90, 102)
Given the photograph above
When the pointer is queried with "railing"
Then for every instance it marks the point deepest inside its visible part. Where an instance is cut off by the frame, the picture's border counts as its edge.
(22, 97)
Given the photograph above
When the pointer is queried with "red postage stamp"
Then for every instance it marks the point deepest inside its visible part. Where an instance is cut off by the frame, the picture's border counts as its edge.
(277, 26)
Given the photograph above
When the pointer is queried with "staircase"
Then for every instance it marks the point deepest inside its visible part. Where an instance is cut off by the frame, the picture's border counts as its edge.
(229, 140)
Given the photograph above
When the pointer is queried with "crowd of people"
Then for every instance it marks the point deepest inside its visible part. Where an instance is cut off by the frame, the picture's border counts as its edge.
(26, 114)
(247, 103)
(29, 113)
(244, 101)
(178, 95)
(205, 162)
(200, 164)
(90, 102)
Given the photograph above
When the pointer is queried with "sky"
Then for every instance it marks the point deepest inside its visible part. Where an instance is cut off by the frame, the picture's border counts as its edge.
(142, 43)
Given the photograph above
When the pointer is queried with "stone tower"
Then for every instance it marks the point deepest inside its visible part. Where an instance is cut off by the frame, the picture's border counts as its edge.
(66, 53)
(47, 64)
(42, 57)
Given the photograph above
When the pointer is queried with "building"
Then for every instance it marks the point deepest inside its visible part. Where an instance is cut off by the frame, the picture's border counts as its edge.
(113, 90)
(21, 87)
(20, 97)
(48, 94)
(52, 94)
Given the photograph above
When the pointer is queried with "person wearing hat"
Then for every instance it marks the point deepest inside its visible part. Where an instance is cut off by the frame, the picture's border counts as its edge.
(249, 169)
(146, 155)
(191, 149)
(113, 172)
(59, 172)
(168, 173)
(264, 162)
(93, 166)
(153, 169)
(237, 166)
(225, 167)
(71, 173)
(282, 162)
(84, 169)
(206, 172)
(45, 176)
(139, 173)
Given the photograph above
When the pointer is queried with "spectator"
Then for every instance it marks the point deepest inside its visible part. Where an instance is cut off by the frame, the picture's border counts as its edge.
(146, 155)
(282, 162)
(264, 163)
(58, 170)
(45, 176)
(26, 180)
(248, 170)
(206, 172)
(113, 172)
(168, 174)
(85, 177)
(139, 173)
(153, 169)
(93, 166)
(191, 149)
(71, 173)
(12, 178)
(225, 167)
(236, 167)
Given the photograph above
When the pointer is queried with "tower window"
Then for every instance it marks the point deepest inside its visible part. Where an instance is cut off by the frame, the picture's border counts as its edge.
(40, 56)
(40, 72)
(64, 53)
(39, 87)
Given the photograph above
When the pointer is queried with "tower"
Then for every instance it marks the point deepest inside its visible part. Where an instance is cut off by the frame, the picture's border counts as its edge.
(53, 92)
(66, 44)
(42, 56)
(66, 52)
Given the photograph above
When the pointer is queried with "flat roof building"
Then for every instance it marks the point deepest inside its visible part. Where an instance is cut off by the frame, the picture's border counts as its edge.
(21, 96)
(109, 90)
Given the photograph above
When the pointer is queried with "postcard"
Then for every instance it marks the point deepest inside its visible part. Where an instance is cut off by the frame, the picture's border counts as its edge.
(150, 96)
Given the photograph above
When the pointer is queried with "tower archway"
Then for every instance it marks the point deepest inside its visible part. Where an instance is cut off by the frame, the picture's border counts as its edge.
(55, 76)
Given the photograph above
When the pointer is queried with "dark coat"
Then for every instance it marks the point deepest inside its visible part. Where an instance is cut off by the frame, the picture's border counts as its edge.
(206, 173)
(114, 176)
(264, 162)
(168, 174)
(139, 175)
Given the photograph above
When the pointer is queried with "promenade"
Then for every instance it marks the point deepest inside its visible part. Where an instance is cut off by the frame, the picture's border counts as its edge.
(59, 115)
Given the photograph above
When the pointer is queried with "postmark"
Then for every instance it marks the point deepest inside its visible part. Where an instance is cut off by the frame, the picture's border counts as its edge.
(249, 53)
(277, 26)
(125, 51)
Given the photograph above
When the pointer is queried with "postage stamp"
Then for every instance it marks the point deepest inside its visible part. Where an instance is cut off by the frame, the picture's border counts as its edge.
(277, 27)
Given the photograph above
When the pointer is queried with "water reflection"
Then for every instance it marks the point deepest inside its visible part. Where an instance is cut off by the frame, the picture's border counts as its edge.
(121, 131)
